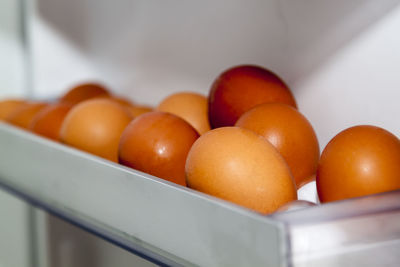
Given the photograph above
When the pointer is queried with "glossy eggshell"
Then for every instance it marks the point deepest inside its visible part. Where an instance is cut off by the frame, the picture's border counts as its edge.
(48, 121)
(359, 161)
(8, 106)
(22, 116)
(240, 166)
(290, 132)
(241, 88)
(191, 107)
(158, 143)
(96, 126)
(84, 92)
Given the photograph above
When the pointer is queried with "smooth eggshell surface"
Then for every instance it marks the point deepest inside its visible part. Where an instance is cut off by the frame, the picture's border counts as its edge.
(241, 88)
(48, 121)
(23, 116)
(96, 126)
(290, 132)
(8, 106)
(240, 166)
(158, 143)
(84, 92)
(191, 107)
(359, 161)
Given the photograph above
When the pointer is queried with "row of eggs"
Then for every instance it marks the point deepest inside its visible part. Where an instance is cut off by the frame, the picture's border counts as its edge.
(246, 142)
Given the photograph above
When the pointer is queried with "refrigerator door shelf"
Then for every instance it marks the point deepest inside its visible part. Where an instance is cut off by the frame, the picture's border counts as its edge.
(173, 225)
(161, 221)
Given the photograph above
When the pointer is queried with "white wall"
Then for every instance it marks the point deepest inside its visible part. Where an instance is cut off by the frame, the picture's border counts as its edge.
(359, 83)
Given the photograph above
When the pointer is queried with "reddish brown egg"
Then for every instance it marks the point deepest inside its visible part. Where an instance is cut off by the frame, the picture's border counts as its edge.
(48, 121)
(96, 126)
(84, 92)
(290, 132)
(8, 106)
(240, 166)
(158, 143)
(241, 88)
(22, 116)
(191, 107)
(359, 161)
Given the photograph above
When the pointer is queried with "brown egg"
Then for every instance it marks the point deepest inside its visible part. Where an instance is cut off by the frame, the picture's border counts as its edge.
(22, 116)
(137, 110)
(158, 143)
(84, 92)
(290, 132)
(48, 121)
(240, 166)
(191, 107)
(359, 161)
(96, 126)
(296, 205)
(241, 88)
(8, 106)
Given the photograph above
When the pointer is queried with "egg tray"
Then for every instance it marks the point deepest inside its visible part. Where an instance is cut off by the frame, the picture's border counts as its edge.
(176, 226)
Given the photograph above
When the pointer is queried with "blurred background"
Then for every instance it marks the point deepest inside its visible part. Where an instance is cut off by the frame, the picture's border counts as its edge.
(12, 67)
